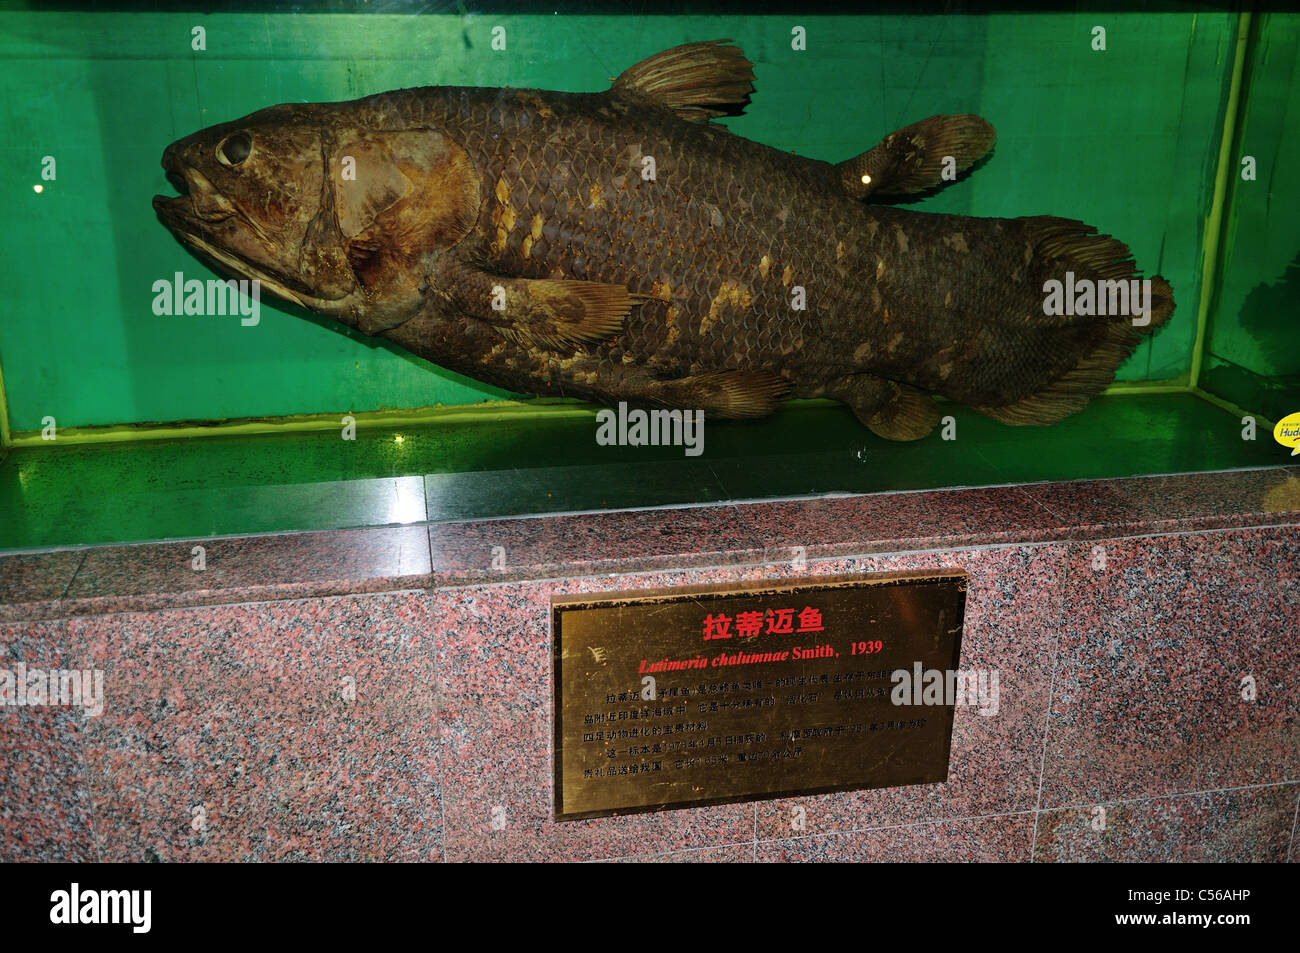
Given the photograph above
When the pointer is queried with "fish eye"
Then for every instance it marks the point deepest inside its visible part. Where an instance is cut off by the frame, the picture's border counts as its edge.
(235, 149)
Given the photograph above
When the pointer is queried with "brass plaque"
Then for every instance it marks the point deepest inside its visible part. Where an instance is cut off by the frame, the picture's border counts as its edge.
(712, 694)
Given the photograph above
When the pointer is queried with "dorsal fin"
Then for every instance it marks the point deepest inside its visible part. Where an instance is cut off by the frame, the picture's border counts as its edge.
(698, 80)
(912, 159)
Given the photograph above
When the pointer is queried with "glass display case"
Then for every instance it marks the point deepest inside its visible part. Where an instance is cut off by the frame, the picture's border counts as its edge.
(1166, 129)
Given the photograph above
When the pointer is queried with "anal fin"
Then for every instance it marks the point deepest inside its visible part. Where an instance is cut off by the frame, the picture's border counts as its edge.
(889, 409)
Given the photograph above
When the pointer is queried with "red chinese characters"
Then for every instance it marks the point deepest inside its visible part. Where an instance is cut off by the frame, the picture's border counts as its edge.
(752, 622)
(780, 621)
(717, 626)
(810, 620)
(749, 624)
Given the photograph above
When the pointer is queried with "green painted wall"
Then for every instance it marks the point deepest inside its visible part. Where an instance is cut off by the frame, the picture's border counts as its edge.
(1124, 139)
(1253, 345)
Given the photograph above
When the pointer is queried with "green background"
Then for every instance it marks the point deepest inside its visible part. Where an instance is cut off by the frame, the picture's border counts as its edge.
(1124, 139)
(1253, 345)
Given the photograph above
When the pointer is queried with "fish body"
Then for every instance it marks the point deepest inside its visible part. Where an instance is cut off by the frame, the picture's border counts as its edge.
(621, 246)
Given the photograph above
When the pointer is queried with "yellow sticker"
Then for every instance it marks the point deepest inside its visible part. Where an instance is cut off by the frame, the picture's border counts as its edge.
(1287, 433)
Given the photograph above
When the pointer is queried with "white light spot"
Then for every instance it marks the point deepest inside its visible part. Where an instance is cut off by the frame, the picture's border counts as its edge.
(405, 500)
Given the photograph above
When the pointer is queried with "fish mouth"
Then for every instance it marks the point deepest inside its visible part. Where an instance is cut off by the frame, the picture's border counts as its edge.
(233, 262)
(200, 213)
(194, 232)
(199, 196)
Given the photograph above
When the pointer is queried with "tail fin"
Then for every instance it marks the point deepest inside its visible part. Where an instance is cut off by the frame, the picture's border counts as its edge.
(1073, 254)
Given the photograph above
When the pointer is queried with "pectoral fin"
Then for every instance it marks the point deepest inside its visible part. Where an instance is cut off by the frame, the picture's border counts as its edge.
(918, 157)
(566, 313)
(557, 314)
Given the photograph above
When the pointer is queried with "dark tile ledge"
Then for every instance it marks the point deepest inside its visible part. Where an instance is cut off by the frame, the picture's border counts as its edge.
(141, 577)
(147, 576)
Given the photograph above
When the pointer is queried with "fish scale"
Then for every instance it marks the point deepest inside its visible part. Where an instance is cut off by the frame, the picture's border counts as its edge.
(673, 210)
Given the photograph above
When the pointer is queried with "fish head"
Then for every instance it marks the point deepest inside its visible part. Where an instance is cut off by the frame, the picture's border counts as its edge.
(324, 206)
(254, 202)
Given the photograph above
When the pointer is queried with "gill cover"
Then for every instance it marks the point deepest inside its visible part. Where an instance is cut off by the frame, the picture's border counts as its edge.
(394, 200)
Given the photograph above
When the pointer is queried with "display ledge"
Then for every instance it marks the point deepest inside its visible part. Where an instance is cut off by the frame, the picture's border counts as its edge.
(55, 495)
(140, 577)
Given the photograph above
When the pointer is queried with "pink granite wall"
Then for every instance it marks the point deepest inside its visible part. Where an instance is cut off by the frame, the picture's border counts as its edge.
(385, 694)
